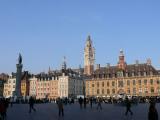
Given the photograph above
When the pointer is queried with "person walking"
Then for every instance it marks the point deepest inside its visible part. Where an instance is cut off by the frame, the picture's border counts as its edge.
(6, 104)
(128, 107)
(31, 105)
(2, 109)
(152, 114)
(99, 103)
(60, 107)
(80, 102)
(85, 102)
(91, 102)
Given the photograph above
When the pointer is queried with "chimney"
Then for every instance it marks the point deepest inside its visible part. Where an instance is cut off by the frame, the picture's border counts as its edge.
(98, 66)
(149, 62)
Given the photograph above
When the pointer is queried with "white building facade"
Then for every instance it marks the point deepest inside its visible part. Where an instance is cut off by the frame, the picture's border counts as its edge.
(9, 87)
(70, 85)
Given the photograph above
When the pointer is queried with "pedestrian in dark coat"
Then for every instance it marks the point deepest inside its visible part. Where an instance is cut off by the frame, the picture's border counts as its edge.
(60, 107)
(128, 107)
(31, 105)
(152, 114)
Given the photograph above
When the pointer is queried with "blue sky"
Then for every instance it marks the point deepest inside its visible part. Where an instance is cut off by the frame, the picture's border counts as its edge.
(44, 31)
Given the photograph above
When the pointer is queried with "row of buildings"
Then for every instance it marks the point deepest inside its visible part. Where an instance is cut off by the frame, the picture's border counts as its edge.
(64, 83)
(138, 79)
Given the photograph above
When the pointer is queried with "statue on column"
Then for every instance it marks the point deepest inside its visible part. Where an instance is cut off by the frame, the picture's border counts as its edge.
(20, 59)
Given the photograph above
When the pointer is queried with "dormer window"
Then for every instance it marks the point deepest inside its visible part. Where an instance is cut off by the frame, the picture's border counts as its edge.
(104, 75)
(139, 73)
(109, 75)
(126, 74)
(99, 75)
(151, 73)
(120, 74)
(133, 74)
(144, 73)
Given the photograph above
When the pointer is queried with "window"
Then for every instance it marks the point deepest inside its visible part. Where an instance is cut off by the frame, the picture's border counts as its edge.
(120, 83)
(146, 90)
(145, 82)
(145, 74)
(134, 82)
(108, 91)
(104, 75)
(132, 74)
(158, 89)
(126, 74)
(152, 90)
(151, 81)
(139, 73)
(128, 91)
(120, 74)
(113, 91)
(158, 82)
(139, 82)
(97, 84)
(140, 90)
(100, 76)
(134, 91)
(92, 85)
(108, 84)
(113, 83)
(102, 84)
(97, 91)
(128, 82)
(102, 91)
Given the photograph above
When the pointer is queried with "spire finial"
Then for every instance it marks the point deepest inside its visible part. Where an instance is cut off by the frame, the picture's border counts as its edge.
(89, 37)
(20, 59)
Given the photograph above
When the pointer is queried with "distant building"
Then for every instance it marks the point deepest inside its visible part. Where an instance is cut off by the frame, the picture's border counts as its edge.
(70, 84)
(3, 79)
(43, 86)
(133, 79)
(60, 83)
(54, 88)
(25, 84)
(9, 86)
(33, 86)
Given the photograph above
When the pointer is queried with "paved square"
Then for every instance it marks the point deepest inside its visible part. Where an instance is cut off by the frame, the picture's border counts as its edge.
(73, 112)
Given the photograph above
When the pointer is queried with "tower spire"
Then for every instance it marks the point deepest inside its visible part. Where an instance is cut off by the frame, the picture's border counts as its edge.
(89, 57)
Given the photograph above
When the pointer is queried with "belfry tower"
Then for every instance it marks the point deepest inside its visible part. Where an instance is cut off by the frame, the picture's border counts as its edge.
(89, 57)
(121, 63)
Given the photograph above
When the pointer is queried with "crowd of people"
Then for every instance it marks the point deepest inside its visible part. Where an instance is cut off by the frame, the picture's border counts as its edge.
(85, 102)
(152, 112)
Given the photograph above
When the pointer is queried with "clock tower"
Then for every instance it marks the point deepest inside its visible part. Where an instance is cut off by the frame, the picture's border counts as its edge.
(89, 57)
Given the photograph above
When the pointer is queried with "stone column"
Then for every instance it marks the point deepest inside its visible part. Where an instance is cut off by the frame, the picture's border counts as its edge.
(18, 80)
